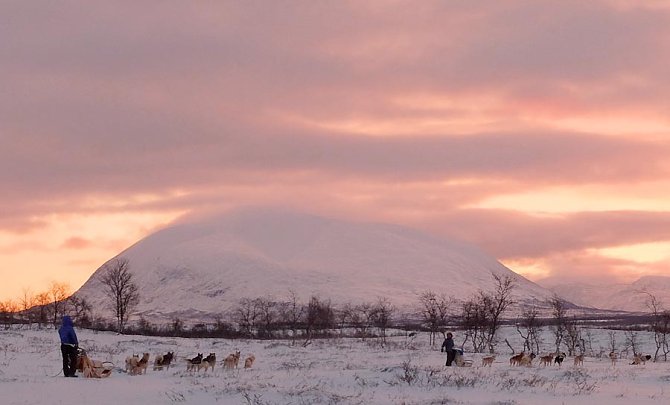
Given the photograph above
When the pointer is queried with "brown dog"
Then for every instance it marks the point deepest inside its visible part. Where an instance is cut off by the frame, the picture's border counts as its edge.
(527, 360)
(131, 362)
(640, 359)
(579, 360)
(546, 360)
(488, 360)
(249, 361)
(514, 360)
(141, 366)
(232, 360)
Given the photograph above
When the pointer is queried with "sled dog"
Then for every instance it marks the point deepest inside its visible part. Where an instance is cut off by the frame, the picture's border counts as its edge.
(207, 362)
(192, 364)
(163, 360)
(527, 360)
(640, 359)
(559, 359)
(232, 360)
(249, 361)
(141, 366)
(514, 360)
(488, 360)
(131, 362)
(546, 360)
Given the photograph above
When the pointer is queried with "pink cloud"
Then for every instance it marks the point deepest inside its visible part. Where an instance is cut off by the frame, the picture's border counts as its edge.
(112, 102)
(76, 243)
(517, 235)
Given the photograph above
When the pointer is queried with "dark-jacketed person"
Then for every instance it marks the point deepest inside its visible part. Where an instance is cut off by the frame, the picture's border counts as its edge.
(68, 347)
(448, 346)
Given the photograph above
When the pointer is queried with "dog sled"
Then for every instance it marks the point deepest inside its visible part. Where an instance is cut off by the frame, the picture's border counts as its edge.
(93, 368)
(459, 360)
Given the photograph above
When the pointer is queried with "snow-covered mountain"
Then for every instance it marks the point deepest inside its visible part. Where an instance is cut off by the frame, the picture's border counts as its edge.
(206, 266)
(622, 297)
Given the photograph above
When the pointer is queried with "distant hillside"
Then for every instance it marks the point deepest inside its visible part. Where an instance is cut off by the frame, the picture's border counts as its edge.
(204, 267)
(623, 297)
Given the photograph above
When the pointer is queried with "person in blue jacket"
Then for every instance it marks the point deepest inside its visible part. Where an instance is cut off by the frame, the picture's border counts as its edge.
(448, 346)
(68, 346)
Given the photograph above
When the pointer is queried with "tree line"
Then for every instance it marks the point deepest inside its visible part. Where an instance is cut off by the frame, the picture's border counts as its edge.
(478, 317)
(44, 308)
(49, 306)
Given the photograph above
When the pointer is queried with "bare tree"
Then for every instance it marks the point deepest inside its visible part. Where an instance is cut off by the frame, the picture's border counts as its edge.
(532, 327)
(27, 301)
(382, 311)
(145, 327)
(320, 316)
(8, 311)
(121, 290)
(481, 315)
(660, 325)
(221, 328)
(500, 301)
(292, 312)
(266, 309)
(344, 316)
(573, 336)
(587, 344)
(81, 310)
(42, 302)
(663, 330)
(632, 342)
(434, 311)
(177, 326)
(246, 315)
(474, 321)
(558, 328)
(361, 319)
(612, 341)
(58, 293)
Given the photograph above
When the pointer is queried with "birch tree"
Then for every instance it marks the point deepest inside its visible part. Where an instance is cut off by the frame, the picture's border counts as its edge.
(121, 290)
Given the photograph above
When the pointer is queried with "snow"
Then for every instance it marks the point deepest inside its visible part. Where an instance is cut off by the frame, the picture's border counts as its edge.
(203, 267)
(338, 370)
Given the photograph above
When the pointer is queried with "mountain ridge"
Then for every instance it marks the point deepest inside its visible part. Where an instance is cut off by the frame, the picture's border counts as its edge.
(630, 297)
(203, 267)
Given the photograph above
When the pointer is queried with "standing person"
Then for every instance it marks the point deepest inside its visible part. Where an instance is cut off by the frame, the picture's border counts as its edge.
(68, 346)
(448, 346)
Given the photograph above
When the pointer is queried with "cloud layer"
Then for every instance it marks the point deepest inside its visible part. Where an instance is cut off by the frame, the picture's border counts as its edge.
(407, 112)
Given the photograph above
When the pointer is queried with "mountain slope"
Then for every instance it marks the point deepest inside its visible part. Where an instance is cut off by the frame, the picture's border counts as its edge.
(204, 267)
(622, 297)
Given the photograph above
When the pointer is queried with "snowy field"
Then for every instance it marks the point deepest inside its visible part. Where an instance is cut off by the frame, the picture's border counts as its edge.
(334, 371)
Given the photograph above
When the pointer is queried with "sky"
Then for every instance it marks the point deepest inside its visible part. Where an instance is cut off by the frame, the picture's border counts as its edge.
(538, 130)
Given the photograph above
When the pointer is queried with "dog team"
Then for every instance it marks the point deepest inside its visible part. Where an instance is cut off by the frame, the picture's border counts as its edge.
(136, 365)
(524, 359)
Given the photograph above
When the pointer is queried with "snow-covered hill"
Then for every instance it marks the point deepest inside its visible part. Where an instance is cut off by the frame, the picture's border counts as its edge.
(622, 297)
(205, 266)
